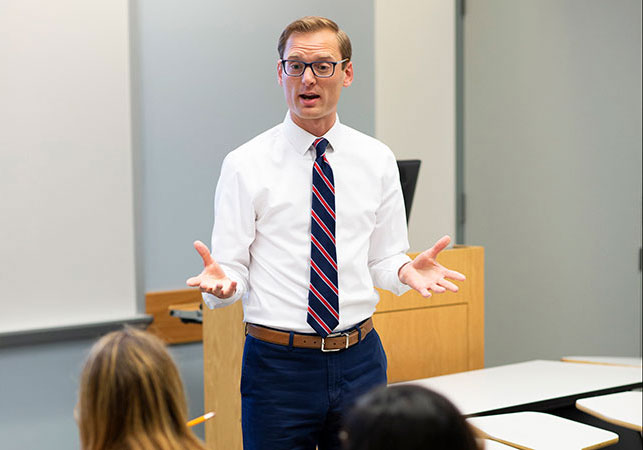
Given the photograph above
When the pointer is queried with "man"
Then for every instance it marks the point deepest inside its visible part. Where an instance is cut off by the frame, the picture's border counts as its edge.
(309, 216)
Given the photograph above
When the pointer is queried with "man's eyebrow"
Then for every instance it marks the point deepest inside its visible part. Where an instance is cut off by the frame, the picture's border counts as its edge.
(323, 57)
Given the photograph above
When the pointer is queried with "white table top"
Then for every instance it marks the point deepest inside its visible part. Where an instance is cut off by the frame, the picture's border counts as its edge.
(606, 360)
(518, 384)
(488, 444)
(622, 408)
(533, 430)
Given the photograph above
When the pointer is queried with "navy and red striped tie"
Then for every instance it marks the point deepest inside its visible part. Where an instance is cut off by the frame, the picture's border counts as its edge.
(323, 293)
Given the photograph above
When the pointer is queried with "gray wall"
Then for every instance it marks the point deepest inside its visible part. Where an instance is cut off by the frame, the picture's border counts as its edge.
(208, 84)
(552, 147)
(204, 82)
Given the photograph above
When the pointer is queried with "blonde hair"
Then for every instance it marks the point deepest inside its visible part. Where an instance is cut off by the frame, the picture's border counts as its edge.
(310, 24)
(131, 396)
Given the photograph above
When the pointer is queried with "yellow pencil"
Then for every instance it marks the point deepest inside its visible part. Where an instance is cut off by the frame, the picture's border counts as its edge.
(201, 419)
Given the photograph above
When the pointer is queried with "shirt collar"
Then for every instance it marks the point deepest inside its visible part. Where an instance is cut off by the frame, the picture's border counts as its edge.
(301, 139)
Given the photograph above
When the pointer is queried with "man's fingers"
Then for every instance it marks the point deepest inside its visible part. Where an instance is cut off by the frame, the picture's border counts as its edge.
(435, 287)
(221, 289)
(211, 288)
(418, 286)
(204, 252)
(211, 267)
(454, 275)
(229, 290)
(193, 282)
(450, 286)
(432, 253)
(439, 246)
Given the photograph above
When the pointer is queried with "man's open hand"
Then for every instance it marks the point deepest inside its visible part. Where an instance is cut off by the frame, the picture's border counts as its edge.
(425, 274)
(212, 279)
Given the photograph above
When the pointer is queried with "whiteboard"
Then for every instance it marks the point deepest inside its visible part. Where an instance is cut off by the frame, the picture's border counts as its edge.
(66, 180)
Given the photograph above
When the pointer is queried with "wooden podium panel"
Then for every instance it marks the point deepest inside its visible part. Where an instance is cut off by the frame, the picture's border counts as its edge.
(168, 328)
(418, 347)
(446, 327)
(223, 339)
(422, 338)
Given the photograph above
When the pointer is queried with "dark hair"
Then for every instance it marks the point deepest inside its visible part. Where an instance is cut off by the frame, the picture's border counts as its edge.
(406, 417)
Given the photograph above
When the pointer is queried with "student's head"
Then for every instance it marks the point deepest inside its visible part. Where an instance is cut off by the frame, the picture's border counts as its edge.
(131, 396)
(406, 417)
(312, 98)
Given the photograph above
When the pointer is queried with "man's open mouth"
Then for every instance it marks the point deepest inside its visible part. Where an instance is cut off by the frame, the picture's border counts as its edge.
(309, 96)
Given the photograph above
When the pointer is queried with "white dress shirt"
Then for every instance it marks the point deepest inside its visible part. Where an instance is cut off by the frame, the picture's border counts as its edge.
(261, 234)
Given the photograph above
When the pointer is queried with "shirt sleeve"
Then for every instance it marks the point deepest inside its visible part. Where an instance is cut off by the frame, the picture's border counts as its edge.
(389, 240)
(234, 229)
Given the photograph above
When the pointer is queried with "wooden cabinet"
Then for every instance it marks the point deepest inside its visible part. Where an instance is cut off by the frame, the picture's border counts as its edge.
(414, 341)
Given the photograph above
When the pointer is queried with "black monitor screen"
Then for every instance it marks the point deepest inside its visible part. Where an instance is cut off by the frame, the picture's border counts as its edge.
(409, 169)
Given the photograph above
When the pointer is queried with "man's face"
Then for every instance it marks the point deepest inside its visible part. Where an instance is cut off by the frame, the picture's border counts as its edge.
(312, 100)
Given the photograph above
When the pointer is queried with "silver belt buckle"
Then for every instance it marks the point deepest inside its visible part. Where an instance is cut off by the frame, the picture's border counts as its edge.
(323, 344)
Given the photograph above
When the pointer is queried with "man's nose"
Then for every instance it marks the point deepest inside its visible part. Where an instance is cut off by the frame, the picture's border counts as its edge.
(308, 77)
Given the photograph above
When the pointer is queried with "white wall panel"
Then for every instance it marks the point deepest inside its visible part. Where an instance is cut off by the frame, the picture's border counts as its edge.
(67, 232)
(415, 105)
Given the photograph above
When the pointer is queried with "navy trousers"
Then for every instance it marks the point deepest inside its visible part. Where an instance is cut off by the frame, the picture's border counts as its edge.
(295, 398)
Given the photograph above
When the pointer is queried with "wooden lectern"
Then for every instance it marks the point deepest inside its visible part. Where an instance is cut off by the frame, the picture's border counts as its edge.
(422, 338)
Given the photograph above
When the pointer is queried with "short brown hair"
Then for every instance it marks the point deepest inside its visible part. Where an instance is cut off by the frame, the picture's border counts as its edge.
(310, 24)
(131, 396)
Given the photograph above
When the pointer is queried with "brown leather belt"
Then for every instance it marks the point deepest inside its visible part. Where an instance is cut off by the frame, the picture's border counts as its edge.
(331, 343)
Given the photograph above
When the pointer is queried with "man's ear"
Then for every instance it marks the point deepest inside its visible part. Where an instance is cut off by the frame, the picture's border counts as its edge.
(280, 73)
(348, 74)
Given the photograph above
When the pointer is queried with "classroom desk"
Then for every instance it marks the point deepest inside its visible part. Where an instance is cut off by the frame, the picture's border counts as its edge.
(488, 444)
(533, 385)
(621, 408)
(605, 360)
(540, 431)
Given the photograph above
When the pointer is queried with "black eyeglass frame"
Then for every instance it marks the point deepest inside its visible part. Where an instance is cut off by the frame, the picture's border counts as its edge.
(310, 64)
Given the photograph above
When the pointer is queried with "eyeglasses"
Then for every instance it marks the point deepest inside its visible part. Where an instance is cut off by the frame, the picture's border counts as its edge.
(321, 69)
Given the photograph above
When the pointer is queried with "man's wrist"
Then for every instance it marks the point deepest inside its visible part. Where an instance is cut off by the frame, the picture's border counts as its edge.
(399, 271)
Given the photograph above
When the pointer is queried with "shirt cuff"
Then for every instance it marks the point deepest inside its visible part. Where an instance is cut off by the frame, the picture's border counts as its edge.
(400, 287)
(390, 280)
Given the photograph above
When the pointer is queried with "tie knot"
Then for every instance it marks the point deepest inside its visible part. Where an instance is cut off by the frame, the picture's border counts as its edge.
(320, 145)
